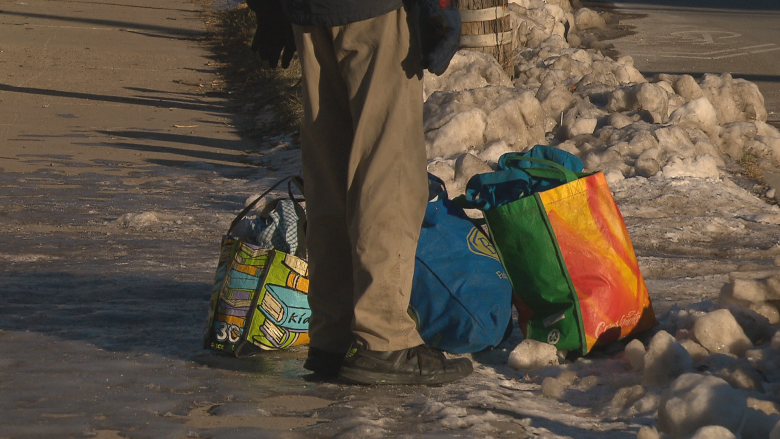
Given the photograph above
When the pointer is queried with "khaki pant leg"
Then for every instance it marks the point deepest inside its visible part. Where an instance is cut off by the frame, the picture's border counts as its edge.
(382, 176)
(326, 142)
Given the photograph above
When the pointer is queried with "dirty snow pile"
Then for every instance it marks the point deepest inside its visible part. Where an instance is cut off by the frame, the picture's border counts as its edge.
(566, 93)
(707, 371)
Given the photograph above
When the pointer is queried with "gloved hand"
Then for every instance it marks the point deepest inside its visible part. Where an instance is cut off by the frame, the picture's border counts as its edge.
(274, 33)
(439, 24)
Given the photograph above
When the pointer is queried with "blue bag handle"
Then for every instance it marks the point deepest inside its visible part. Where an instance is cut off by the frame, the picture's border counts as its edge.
(512, 181)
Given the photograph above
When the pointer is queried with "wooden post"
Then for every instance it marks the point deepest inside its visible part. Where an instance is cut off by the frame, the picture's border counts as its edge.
(487, 27)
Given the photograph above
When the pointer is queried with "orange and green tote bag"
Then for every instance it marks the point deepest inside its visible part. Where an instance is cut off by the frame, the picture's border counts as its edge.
(568, 255)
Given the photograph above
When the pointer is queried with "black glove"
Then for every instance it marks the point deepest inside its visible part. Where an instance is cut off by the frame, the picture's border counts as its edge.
(274, 33)
(439, 24)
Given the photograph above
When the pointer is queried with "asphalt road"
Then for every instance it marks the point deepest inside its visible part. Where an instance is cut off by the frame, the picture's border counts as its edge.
(707, 36)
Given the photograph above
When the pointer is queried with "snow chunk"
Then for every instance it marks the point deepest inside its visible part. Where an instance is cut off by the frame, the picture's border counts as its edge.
(466, 166)
(635, 352)
(626, 73)
(552, 388)
(644, 96)
(138, 219)
(582, 118)
(532, 354)
(698, 113)
(665, 359)
(693, 401)
(588, 19)
(468, 69)
(623, 399)
(620, 120)
(756, 326)
(462, 131)
(589, 382)
(719, 332)
(695, 350)
(688, 88)
(613, 176)
(567, 378)
(146, 219)
(713, 432)
(553, 94)
(442, 169)
(685, 318)
(768, 407)
(646, 432)
(734, 136)
(703, 166)
(736, 371)
(750, 290)
(734, 99)
(458, 121)
(493, 151)
(741, 375)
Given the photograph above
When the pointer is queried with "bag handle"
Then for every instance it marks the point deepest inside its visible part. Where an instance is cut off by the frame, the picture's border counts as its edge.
(297, 181)
(254, 202)
(554, 170)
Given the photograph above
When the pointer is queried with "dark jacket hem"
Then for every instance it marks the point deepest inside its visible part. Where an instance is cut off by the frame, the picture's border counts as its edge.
(338, 16)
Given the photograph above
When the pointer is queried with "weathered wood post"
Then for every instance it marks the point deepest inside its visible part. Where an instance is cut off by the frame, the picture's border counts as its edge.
(487, 27)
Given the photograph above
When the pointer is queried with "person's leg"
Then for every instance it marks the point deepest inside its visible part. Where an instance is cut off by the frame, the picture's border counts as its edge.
(375, 150)
(388, 193)
(326, 140)
(387, 179)
(365, 192)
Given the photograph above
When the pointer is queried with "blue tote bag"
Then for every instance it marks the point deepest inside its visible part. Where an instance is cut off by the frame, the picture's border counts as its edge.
(461, 295)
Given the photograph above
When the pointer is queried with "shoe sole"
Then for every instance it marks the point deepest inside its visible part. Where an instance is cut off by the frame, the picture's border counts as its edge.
(356, 376)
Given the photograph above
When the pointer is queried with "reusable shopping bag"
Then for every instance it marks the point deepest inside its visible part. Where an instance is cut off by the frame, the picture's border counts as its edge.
(566, 249)
(259, 297)
(461, 296)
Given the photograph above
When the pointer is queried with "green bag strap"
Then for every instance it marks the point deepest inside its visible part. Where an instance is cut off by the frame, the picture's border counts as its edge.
(554, 170)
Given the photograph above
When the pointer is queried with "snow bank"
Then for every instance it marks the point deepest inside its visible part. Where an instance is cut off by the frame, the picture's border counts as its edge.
(717, 376)
(566, 93)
